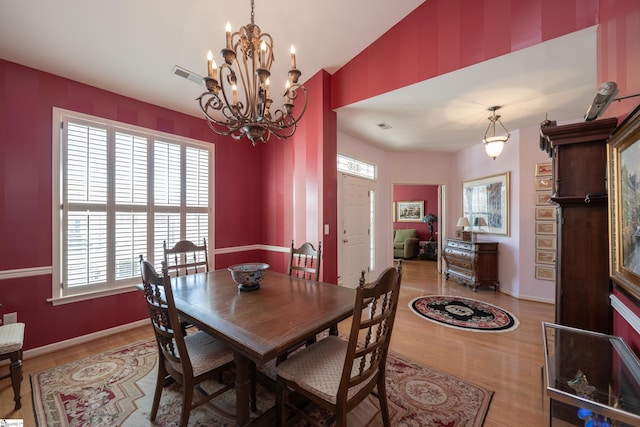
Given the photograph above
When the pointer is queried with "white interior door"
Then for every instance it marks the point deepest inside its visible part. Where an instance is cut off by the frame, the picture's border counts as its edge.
(354, 239)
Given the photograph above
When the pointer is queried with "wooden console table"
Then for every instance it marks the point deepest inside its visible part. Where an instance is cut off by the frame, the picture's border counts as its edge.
(472, 263)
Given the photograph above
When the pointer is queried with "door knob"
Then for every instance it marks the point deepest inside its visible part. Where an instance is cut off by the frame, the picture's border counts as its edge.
(345, 241)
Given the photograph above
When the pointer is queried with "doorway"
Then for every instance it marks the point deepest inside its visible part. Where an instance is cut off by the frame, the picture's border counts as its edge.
(428, 223)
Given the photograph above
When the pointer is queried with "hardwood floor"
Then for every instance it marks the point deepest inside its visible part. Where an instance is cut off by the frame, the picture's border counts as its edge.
(507, 363)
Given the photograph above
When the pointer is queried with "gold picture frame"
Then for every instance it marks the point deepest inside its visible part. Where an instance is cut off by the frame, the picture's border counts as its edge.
(486, 201)
(545, 213)
(544, 183)
(544, 169)
(543, 198)
(545, 257)
(624, 170)
(546, 228)
(410, 211)
(545, 273)
(546, 243)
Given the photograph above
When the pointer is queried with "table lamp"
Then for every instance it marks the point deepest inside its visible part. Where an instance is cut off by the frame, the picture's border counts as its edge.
(463, 222)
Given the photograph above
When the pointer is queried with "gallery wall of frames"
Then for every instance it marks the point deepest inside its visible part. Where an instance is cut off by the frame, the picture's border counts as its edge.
(545, 224)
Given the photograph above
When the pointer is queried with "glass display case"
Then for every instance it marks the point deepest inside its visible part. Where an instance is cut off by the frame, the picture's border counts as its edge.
(592, 379)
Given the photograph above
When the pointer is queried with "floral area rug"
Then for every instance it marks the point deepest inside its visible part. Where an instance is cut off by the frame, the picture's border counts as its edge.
(115, 388)
(464, 313)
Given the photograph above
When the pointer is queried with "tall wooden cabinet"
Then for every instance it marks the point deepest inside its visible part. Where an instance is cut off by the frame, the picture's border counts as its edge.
(579, 153)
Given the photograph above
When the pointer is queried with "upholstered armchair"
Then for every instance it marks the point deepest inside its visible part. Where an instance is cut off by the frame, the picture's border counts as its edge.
(405, 243)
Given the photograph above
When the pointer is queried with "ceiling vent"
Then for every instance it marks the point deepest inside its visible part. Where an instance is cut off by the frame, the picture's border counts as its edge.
(384, 125)
(186, 74)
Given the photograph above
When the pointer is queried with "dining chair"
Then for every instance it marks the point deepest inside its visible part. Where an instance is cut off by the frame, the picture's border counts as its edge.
(188, 360)
(304, 262)
(186, 257)
(11, 340)
(338, 374)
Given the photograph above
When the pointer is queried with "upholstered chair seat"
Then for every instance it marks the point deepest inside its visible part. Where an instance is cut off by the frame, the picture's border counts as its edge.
(206, 352)
(11, 339)
(319, 371)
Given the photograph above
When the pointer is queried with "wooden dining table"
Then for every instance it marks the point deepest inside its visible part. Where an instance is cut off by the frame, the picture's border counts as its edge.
(258, 325)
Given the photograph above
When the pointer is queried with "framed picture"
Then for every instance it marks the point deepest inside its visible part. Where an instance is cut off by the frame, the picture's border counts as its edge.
(545, 273)
(486, 201)
(546, 227)
(543, 198)
(393, 211)
(624, 193)
(410, 211)
(546, 242)
(545, 213)
(543, 183)
(545, 257)
(544, 169)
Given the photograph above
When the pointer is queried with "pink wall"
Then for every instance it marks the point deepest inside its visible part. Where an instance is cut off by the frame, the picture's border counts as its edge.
(428, 193)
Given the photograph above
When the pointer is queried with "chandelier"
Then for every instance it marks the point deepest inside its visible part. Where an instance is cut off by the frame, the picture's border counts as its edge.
(493, 143)
(237, 101)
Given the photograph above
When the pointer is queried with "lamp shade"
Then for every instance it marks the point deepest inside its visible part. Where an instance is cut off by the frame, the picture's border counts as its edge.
(494, 145)
(463, 222)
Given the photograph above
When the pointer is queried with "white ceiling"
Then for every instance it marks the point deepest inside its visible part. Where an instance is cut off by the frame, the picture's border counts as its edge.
(130, 48)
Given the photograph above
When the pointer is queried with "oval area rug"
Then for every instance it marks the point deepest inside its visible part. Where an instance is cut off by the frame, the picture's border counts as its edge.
(464, 313)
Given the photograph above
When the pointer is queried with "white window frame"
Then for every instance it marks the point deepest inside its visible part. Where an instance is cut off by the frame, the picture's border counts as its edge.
(62, 294)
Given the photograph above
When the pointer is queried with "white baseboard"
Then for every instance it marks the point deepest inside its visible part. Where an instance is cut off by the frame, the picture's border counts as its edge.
(60, 345)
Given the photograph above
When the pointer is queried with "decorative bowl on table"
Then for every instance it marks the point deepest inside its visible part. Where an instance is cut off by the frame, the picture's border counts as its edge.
(248, 275)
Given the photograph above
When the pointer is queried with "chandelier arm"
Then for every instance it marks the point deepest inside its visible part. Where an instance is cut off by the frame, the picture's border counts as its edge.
(214, 103)
(505, 129)
(486, 133)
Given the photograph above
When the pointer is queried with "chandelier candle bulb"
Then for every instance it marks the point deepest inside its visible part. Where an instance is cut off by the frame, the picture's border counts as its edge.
(228, 30)
(293, 57)
(263, 52)
(286, 93)
(212, 67)
(234, 88)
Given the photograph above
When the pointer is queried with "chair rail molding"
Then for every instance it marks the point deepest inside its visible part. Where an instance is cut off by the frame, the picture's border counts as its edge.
(25, 272)
(626, 313)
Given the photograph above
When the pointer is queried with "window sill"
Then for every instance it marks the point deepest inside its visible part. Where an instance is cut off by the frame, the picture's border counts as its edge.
(67, 299)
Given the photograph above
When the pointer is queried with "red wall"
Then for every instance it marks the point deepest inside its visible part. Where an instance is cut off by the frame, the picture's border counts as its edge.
(428, 193)
(441, 36)
(619, 61)
(27, 97)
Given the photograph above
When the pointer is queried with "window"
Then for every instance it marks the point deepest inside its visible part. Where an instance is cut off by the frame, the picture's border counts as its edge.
(356, 167)
(122, 192)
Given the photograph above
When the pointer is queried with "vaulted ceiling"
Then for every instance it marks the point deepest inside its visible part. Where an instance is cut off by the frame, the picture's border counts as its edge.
(131, 48)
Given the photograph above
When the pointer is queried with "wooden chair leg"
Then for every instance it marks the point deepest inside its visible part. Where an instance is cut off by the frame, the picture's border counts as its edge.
(16, 377)
(187, 402)
(160, 383)
(382, 399)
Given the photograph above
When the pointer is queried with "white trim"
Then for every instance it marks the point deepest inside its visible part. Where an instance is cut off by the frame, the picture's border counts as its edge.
(60, 345)
(91, 295)
(629, 316)
(235, 249)
(25, 272)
